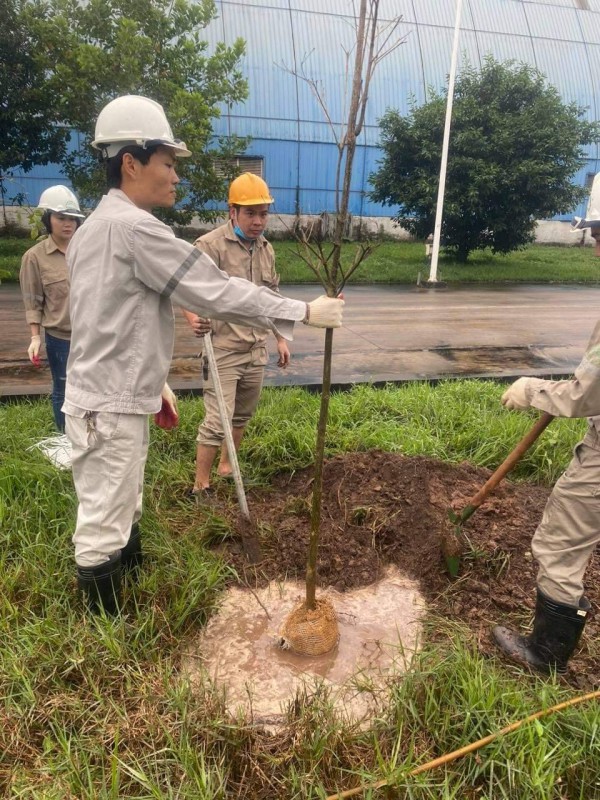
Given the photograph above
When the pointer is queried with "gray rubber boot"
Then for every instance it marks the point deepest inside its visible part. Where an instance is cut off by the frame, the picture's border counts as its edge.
(132, 556)
(101, 586)
(557, 629)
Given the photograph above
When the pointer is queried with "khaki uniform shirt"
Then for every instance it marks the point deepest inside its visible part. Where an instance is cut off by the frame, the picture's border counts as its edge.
(578, 397)
(125, 269)
(44, 280)
(256, 265)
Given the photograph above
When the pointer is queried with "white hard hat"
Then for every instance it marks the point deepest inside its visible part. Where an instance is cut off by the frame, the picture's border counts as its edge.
(61, 200)
(132, 119)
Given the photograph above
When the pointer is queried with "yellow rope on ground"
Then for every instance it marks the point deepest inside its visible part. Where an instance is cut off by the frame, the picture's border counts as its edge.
(469, 748)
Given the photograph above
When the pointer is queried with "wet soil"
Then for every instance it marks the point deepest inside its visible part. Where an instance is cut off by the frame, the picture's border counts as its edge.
(385, 508)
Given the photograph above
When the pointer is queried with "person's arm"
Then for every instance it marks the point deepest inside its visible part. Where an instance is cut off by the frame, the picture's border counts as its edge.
(283, 352)
(578, 397)
(32, 291)
(179, 270)
(200, 325)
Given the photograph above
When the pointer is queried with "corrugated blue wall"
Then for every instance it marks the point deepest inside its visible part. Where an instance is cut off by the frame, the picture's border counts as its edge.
(287, 37)
(294, 36)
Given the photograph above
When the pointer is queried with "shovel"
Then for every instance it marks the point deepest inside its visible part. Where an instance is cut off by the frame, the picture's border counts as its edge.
(453, 539)
(250, 541)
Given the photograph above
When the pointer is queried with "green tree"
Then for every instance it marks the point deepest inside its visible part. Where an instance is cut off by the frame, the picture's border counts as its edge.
(514, 148)
(29, 134)
(96, 50)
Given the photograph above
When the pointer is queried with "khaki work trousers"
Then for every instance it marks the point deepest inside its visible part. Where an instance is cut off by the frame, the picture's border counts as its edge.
(109, 456)
(241, 376)
(570, 528)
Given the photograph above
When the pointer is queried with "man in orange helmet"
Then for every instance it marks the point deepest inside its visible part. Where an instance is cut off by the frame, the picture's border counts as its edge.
(239, 248)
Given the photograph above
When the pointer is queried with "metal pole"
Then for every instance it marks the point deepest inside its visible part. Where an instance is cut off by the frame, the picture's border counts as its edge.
(235, 467)
(442, 184)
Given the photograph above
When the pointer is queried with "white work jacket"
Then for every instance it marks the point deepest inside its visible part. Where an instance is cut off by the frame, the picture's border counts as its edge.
(126, 267)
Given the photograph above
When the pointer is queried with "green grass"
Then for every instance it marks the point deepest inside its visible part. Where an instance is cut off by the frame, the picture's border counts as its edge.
(11, 250)
(401, 263)
(97, 709)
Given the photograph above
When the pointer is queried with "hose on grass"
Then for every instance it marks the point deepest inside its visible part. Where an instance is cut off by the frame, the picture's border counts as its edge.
(469, 748)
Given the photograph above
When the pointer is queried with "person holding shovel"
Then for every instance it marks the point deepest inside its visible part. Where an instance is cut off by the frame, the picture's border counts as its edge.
(44, 283)
(570, 527)
(239, 248)
(126, 268)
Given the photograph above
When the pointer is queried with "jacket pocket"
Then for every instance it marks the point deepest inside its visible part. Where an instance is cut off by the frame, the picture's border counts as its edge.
(56, 292)
(259, 356)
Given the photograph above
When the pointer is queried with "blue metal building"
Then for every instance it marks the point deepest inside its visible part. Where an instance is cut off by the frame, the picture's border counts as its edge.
(291, 139)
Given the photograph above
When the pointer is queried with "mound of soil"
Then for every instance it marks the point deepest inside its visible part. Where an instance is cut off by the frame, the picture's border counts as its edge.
(385, 508)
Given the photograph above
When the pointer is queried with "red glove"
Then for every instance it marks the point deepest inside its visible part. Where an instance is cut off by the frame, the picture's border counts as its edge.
(167, 417)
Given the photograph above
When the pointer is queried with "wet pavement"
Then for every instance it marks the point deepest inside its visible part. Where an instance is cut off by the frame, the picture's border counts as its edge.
(390, 334)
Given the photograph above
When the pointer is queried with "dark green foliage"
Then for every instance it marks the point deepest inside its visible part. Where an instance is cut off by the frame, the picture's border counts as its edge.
(514, 148)
(98, 50)
(28, 133)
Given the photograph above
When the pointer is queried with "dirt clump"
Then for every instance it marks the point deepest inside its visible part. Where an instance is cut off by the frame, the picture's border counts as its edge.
(383, 508)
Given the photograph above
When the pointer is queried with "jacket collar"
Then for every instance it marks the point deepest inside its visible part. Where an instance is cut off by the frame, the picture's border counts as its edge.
(50, 245)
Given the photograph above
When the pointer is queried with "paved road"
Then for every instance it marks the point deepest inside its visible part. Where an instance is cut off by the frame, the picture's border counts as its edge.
(395, 333)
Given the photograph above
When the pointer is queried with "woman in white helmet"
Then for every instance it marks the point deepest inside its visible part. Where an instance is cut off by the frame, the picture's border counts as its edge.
(45, 288)
(126, 269)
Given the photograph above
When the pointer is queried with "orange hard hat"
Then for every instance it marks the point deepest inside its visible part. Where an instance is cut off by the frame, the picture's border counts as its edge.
(249, 190)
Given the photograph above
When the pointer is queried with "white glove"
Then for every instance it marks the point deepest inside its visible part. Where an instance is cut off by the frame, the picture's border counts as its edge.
(33, 351)
(325, 312)
(515, 397)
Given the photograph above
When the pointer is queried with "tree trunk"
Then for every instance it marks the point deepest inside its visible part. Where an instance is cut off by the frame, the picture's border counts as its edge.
(315, 517)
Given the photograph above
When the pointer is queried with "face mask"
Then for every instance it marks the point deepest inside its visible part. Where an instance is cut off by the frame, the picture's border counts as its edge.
(239, 232)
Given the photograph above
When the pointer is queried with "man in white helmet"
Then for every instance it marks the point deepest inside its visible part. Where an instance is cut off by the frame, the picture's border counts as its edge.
(569, 531)
(592, 215)
(127, 268)
(239, 248)
(44, 283)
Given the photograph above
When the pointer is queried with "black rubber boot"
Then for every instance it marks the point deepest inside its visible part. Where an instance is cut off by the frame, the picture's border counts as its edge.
(101, 586)
(556, 632)
(132, 556)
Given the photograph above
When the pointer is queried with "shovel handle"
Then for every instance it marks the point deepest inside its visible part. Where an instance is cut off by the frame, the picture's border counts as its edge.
(509, 462)
(225, 422)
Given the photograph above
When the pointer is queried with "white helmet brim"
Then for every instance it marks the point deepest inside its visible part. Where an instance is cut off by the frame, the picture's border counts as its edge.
(134, 120)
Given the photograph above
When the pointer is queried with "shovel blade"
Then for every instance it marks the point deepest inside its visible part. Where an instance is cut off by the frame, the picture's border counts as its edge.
(250, 541)
(452, 565)
(452, 542)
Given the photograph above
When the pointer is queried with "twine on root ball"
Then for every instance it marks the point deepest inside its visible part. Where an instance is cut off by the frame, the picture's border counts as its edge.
(310, 632)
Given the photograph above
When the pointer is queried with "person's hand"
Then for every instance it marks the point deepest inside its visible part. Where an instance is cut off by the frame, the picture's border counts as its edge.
(325, 312)
(284, 353)
(33, 351)
(167, 417)
(515, 397)
(200, 325)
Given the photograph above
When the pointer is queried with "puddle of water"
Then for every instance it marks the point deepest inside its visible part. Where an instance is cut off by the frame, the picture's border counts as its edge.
(379, 631)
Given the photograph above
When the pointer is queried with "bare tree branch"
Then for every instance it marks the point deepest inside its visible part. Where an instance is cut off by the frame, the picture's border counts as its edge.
(372, 43)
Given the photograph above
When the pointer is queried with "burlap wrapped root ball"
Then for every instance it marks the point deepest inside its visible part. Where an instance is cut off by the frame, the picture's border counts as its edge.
(310, 632)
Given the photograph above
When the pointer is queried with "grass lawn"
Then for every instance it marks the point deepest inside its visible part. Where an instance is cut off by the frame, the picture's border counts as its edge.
(93, 708)
(401, 262)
